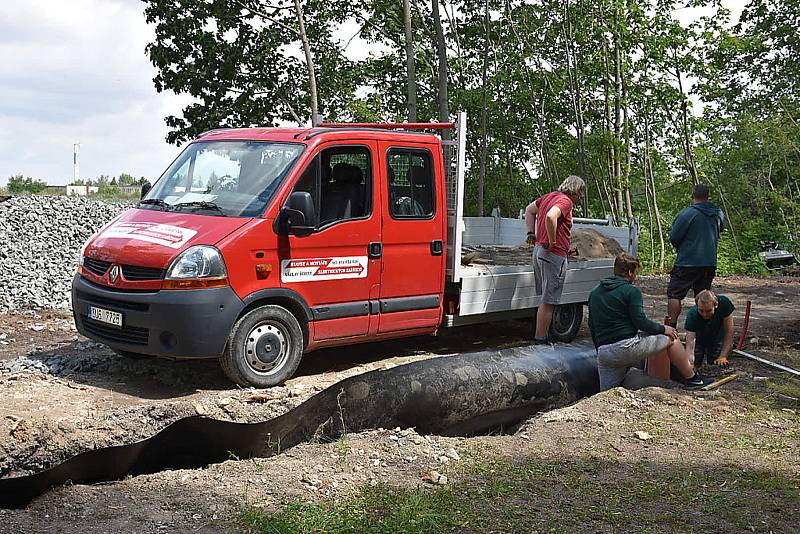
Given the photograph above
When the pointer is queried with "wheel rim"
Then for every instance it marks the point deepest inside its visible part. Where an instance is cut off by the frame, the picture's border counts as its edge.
(267, 348)
(563, 319)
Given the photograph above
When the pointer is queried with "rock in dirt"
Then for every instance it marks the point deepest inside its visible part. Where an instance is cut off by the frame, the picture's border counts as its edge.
(453, 455)
(434, 477)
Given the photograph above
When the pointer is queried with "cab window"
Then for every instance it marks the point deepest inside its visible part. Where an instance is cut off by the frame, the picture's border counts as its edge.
(411, 187)
(339, 180)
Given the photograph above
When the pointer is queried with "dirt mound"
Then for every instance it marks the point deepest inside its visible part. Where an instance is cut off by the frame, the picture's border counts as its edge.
(591, 244)
(586, 245)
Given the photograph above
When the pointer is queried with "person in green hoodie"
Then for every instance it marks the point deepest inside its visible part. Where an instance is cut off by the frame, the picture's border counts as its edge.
(622, 333)
(695, 235)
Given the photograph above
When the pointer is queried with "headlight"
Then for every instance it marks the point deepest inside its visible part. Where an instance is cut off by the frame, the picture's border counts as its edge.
(82, 251)
(197, 267)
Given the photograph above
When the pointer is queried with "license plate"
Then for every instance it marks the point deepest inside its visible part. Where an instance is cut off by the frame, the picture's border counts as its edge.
(105, 316)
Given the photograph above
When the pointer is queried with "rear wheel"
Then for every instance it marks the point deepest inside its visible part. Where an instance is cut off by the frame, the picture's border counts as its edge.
(566, 323)
(264, 348)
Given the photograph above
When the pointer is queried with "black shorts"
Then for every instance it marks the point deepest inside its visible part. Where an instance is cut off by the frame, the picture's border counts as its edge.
(709, 353)
(681, 279)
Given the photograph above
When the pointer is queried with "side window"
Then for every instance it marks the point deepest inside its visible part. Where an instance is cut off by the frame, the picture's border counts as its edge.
(411, 188)
(340, 182)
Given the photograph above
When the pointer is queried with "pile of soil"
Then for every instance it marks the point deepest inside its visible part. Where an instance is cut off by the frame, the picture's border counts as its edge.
(590, 244)
(587, 244)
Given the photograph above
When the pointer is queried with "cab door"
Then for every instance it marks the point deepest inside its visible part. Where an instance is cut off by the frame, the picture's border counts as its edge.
(413, 223)
(334, 268)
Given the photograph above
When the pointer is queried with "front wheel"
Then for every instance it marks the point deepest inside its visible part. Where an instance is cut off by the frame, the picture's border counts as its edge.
(566, 323)
(264, 348)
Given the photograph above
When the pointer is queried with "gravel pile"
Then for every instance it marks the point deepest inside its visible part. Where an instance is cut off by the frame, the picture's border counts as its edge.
(81, 359)
(40, 237)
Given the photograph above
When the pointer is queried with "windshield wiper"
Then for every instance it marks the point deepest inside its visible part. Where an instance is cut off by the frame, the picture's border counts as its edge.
(203, 205)
(155, 202)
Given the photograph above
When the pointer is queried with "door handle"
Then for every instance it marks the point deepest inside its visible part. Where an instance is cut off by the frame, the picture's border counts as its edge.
(375, 250)
(437, 247)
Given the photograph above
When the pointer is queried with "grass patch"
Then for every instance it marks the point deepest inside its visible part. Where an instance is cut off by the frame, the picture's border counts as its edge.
(789, 387)
(374, 510)
(536, 495)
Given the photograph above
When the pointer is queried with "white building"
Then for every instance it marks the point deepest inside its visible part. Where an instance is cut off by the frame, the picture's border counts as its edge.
(81, 190)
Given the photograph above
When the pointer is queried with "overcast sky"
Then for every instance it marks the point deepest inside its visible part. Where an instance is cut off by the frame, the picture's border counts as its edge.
(75, 71)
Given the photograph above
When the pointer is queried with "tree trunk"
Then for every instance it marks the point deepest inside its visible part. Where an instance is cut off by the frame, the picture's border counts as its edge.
(652, 184)
(441, 52)
(544, 149)
(626, 175)
(610, 149)
(575, 89)
(410, 67)
(728, 219)
(687, 139)
(652, 223)
(484, 133)
(618, 186)
(312, 77)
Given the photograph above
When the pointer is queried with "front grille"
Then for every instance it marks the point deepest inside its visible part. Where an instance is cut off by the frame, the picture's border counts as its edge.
(135, 273)
(98, 267)
(132, 335)
(132, 273)
(113, 303)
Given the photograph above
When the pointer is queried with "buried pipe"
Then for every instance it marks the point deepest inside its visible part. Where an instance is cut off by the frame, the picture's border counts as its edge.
(459, 395)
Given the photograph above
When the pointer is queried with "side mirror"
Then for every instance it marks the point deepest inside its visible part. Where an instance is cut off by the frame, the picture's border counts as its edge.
(298, 214)
(146, 187)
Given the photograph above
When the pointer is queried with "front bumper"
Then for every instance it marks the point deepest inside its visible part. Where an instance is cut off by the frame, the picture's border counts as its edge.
(176, 324)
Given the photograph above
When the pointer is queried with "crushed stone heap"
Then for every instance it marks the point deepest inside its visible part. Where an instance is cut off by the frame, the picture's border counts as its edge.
(40, 237)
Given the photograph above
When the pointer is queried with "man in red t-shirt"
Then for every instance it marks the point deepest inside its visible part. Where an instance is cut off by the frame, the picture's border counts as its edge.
(549, 221)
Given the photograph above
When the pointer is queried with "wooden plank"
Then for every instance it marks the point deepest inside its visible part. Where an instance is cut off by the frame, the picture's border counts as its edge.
(718, 383)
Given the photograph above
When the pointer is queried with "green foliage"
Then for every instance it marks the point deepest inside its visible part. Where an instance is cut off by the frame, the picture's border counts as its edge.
(604, 89)
(18, 185)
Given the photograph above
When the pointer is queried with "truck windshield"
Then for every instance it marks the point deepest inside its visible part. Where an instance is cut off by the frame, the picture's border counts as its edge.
(223, 178)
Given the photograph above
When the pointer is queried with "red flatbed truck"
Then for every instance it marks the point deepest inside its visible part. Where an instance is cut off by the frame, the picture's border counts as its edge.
(258, 245)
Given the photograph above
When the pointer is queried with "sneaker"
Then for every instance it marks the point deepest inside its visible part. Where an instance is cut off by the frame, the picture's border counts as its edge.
(539, 341)
(697, 381)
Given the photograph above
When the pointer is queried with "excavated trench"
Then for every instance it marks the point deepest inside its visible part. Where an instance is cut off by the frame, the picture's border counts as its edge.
(464, 395)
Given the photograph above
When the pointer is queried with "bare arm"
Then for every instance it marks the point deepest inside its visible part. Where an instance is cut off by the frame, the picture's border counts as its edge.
(551, 223)
(530, 216)
(691, 337)
(727, 342)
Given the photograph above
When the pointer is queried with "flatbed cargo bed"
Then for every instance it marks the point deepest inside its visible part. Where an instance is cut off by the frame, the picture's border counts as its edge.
(498, 280)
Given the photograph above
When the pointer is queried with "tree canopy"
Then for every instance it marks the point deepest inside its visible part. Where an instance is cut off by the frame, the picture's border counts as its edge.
(624, 93)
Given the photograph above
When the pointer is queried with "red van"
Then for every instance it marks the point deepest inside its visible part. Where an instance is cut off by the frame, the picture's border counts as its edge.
(257, 245)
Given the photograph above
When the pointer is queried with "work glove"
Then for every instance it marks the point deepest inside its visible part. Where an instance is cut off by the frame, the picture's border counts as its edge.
(531, 239)
(722, 360)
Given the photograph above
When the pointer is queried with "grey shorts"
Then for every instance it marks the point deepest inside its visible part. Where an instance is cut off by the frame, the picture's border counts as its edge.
(549, 271)
(614, 360)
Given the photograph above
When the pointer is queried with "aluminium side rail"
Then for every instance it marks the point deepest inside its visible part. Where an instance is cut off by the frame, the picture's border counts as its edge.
(497, 292)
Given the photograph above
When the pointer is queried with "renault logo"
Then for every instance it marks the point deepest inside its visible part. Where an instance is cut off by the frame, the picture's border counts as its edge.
(114, 274)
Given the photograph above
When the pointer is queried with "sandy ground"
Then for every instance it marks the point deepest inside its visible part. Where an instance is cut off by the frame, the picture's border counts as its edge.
(101, 399)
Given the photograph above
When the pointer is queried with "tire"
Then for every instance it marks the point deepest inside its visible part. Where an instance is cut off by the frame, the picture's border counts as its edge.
(567, 320)
(264, 348)
(133, 355)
